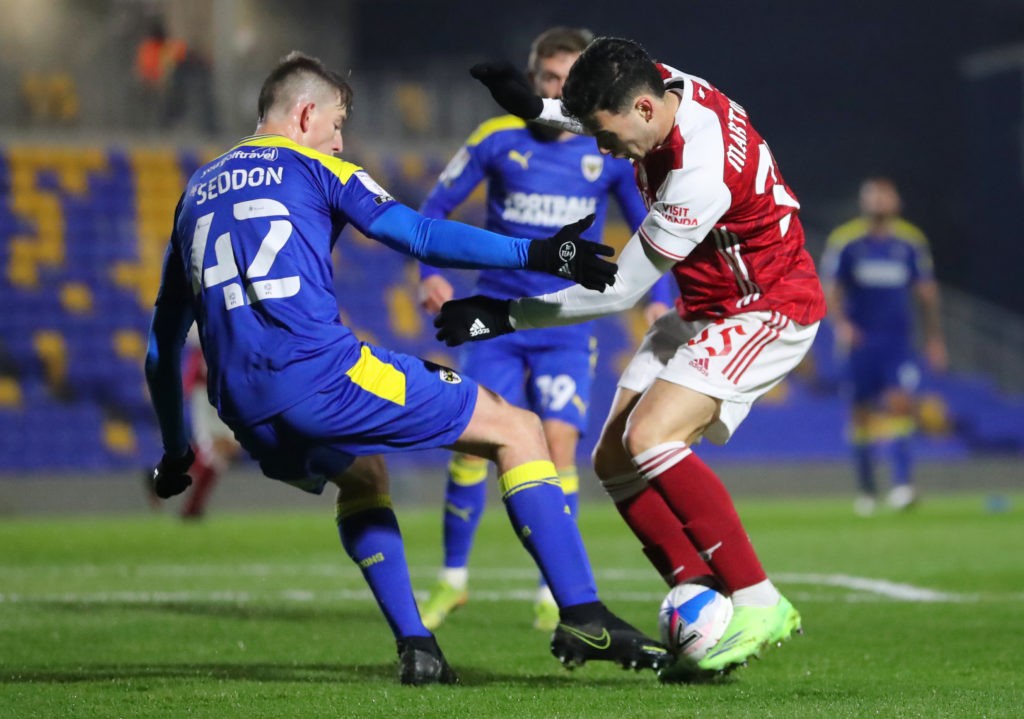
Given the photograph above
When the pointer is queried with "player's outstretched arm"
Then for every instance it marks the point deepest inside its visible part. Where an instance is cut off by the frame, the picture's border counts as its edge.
(452, 244)
(510, 89)
(480, 318)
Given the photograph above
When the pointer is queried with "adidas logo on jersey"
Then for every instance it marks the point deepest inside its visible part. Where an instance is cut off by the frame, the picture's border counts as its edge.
(700, 364)
(478, 328)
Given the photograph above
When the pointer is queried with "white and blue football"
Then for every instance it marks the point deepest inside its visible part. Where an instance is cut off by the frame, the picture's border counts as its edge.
(692, 619)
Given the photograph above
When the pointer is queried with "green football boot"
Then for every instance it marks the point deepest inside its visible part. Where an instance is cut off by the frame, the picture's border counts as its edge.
(443, 600)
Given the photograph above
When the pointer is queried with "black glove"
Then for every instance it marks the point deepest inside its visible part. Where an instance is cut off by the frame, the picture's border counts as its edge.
(509, 88)
(568, 256)
(472, 319)
(169, 476)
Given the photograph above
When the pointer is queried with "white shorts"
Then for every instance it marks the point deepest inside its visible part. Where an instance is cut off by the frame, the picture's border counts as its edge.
(207, 426)
(736, 360)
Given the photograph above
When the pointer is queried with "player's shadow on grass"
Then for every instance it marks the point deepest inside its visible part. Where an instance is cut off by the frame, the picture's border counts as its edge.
(320, 673)
(228, 610)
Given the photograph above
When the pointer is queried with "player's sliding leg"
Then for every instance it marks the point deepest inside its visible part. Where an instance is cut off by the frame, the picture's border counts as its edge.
(587, 630)
(545, 608)
(465, 497)
(536, 507)
(701, 502)
(370, 535)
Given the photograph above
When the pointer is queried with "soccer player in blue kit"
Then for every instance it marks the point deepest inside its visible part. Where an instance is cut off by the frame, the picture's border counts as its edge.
(876, 266)
(538, 179)
(249, 260)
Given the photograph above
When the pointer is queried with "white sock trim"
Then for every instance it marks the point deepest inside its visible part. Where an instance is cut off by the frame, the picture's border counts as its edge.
(623, 486)
(762, 594)
(458, 577)
(652, 462)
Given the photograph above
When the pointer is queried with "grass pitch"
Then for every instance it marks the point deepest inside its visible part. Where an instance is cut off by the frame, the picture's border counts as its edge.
(262, 615)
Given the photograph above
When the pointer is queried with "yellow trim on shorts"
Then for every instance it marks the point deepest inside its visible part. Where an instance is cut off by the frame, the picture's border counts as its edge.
(378, 377)
(530, 474)
(348, 507)
(570, 480)
(466, 471)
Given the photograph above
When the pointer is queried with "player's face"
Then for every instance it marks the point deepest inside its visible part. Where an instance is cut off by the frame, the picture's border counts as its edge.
(620, 134)
(549, 75)
(879, 199)
(323, 127)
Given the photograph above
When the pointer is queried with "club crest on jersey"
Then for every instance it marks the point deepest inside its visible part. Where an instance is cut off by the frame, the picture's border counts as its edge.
(449, 375)
(592, 165)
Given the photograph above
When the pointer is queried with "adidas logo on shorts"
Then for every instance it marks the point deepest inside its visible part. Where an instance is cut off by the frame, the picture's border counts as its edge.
(700, 364)
(478, 328)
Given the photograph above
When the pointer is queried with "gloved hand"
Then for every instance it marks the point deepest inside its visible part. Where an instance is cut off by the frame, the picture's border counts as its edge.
(509, 88)
(169, 476)
(472, 319)
(568, 256)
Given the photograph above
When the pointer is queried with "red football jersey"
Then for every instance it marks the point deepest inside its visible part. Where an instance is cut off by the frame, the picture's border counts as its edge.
(718, 204)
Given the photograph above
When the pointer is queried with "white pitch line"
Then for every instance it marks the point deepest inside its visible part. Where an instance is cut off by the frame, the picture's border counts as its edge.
(861, 586)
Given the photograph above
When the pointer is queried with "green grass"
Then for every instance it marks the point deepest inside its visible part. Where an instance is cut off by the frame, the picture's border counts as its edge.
(262, 615)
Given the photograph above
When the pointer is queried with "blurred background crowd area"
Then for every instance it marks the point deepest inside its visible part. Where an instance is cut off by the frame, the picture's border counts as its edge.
(107, 107)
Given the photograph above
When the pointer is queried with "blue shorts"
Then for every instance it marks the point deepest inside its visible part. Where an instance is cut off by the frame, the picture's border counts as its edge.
(386, 402)
(874, 369)
(538, 370)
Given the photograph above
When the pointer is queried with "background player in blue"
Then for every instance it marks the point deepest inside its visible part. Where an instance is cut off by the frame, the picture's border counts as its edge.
(537, 179)
(875, 266)
(249, 260)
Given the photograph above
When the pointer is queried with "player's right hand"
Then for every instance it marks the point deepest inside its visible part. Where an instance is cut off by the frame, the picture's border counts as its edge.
(472, 319)
(169, 475)
(510, 88)
(570, 257)
(434, 291)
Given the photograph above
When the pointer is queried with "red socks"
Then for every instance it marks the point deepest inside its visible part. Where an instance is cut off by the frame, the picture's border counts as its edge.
(663, 536)
(696, 496)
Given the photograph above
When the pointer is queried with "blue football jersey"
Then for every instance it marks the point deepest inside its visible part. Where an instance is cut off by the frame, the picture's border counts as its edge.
(877, 275)
(535, 186)
(254, 232)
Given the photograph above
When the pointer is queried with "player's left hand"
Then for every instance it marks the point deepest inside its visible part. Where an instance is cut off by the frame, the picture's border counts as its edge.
(510, 88)
(569, 256)
(169, 476)
(472, 319)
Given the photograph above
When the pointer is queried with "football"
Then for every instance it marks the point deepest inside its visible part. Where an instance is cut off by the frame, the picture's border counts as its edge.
(692, 619)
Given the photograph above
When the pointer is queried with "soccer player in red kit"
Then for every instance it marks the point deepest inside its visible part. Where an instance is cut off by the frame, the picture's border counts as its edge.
(723, 221)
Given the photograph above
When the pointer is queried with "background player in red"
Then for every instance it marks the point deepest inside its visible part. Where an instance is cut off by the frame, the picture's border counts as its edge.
(722, 219)
(877, 267)
(213, 441)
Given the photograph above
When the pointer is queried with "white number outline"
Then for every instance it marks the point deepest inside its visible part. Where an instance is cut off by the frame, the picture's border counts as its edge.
(556, 390)
(226, 268)
(766, 166)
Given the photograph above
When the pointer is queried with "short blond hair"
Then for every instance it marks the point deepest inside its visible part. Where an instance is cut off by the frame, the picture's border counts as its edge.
(555, 40)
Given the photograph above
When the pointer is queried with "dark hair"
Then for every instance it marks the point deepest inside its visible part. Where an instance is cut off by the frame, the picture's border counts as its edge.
(609, 73)
(555, 40)
(296, 66)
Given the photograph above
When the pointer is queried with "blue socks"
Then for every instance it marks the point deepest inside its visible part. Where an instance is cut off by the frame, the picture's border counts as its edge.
(536, 505)
(370, 535)
(464, 500)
